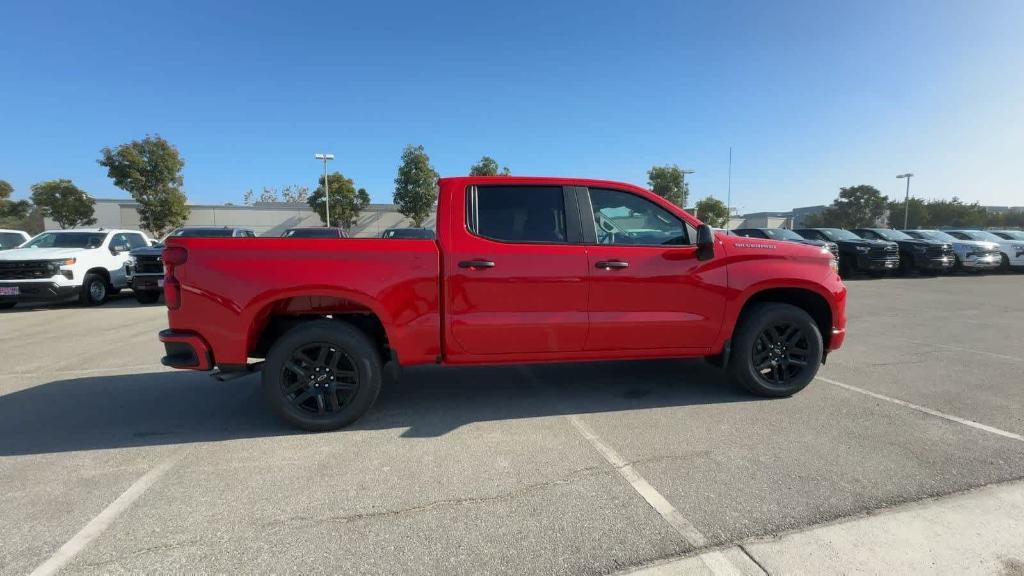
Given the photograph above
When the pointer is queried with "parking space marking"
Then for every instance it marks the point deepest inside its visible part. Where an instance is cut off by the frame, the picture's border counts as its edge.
(715, 561)
(926, 410)
(969, 350)
(104, 519)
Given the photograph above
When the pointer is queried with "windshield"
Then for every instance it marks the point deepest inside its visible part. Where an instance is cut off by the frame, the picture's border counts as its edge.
(980, 235)
(835, 234)
(933, 235)
(1010, 234)
(782, 234)
(891, 234)
(311, 233)
(67, 240)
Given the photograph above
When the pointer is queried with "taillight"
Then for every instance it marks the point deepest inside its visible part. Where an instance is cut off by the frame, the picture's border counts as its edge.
(172, 292)
(173, 256)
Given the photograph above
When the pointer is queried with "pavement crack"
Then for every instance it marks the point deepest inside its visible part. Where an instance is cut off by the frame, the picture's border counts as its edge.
(147, 550)
(447, 503)
(743, 548)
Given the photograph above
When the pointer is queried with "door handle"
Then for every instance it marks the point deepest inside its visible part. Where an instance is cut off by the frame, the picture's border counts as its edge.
(476, 264)
(611, 264)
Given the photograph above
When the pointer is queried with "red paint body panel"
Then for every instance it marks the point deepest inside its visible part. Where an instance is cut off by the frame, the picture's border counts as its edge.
(539, 303)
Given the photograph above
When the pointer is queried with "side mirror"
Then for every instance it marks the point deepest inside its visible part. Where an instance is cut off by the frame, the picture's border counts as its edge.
(118, 248)
(705, 242)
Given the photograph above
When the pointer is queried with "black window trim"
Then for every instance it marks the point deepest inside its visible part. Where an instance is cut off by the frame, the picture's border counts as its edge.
(572, 223)
(691, 232)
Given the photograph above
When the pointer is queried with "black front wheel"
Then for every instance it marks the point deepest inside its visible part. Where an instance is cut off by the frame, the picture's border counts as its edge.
(777, 350)
(94, 290)
(322, 375)
(7, 305)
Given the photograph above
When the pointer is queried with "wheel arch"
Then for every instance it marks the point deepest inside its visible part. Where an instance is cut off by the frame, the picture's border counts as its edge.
(808, 300)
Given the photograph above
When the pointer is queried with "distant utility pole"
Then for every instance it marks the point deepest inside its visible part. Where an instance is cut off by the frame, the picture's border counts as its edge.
(683, 182)
(327, 189)
(906, 201)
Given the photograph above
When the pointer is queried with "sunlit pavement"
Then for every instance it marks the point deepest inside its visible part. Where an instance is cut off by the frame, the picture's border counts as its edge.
(569, 469)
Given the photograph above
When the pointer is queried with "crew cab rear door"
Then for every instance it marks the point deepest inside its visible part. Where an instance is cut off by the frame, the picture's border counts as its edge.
(648, 290)
(515, 273)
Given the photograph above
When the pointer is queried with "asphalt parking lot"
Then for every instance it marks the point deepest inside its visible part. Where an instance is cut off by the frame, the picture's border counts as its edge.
(510, 470)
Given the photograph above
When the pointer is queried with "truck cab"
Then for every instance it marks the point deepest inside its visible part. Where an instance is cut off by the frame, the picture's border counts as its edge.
(522, 270)
(83, 263)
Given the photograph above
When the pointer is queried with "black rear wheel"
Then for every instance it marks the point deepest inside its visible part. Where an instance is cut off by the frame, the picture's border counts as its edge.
(777, 350)
(322, 375)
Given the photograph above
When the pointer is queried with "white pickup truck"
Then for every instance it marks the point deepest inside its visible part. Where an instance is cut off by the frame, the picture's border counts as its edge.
(11, 238)
(84, 263)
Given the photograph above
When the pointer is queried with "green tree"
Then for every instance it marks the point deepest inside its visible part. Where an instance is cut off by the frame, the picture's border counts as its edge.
(150, 170)
(669, 183)
(415, 185)
(346, 202)
(954, 213)
(68, 205)
(712, 212)
(12, 212)
(918, 213)
(860, 206)
(488, 166)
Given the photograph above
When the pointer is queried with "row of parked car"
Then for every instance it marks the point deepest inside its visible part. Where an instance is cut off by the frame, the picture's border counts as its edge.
(90, 264)
(877, 251)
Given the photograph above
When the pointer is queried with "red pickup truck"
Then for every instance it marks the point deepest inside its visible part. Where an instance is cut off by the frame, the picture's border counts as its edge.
(522, 270)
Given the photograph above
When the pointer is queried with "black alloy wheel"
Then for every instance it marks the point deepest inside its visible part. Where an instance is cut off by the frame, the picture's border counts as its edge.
(319, 379)
(781, 352)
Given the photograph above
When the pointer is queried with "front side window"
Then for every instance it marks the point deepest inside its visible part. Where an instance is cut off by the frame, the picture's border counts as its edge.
(622, 218)
(517, 213)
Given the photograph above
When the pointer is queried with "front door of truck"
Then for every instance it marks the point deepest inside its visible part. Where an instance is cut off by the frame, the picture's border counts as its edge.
(516, 274)
(648, 290)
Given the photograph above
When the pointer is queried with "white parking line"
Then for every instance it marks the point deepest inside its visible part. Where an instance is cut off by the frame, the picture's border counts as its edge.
(715, 561)
(104, 519)
(926, 410)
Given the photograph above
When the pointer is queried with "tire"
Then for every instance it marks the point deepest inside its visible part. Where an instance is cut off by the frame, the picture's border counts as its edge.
(845, 270)
(315, 362)
(907, 265)
(876, 274)
(957, 265)
(1004, 264)
(146, 296)
(94, 290)
(749, 348)
(7, 305)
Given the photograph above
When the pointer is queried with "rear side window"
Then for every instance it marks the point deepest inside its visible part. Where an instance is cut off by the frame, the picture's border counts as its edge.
(517, 213)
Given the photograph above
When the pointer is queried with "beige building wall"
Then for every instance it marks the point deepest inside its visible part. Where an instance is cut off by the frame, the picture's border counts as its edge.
(269, 219)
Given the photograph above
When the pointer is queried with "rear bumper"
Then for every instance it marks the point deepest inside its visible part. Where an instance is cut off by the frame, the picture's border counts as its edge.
(185, 350)
(39, 292)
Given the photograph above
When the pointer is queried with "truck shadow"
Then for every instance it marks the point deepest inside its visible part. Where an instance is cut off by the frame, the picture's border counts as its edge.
(161, 408)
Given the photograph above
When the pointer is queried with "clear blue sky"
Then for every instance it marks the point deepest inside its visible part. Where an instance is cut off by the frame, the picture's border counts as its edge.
(812, 95)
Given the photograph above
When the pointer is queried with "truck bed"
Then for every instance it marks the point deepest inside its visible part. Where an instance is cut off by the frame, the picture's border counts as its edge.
(232, 288)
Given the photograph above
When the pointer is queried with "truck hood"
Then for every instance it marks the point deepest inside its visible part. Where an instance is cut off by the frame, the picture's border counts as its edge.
(922, 243)
(983, 244)
(22, 254)
(736, 245)
(148, 251)
(869, 242)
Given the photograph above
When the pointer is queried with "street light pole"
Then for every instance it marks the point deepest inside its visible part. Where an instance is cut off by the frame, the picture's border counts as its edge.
(327, 188)
(906, 200)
